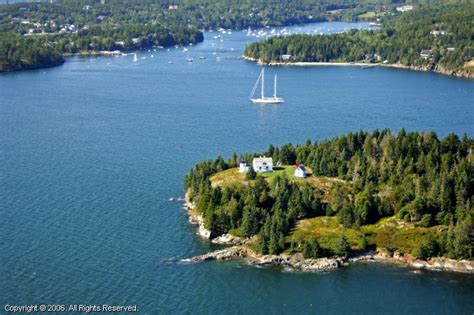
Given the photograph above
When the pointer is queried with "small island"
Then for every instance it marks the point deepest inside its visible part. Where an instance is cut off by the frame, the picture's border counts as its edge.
(434, 38)
(404, 198)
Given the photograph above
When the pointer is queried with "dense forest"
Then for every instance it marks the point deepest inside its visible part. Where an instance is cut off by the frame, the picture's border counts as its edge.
(413, 176)
(401, 40)
(71, 26)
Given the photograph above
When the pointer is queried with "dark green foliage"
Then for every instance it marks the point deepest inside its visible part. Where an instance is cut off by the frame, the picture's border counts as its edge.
(311, 249)
(251, 174)
(427, 249)
(413, 175)
(399, 41)
(426, 220)
(460, 238)
(343, 248)
(250, 224)
(36, 53)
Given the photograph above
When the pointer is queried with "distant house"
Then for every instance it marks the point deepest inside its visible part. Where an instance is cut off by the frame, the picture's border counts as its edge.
(243, 167)
(425, 54)
(450, 49)
(262, 164)
(172, 7)
(438, 33)
(405, 8)
(285, 57)
(300, 171)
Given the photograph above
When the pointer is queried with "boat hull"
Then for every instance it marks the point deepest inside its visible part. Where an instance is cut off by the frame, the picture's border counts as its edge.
(268, 100)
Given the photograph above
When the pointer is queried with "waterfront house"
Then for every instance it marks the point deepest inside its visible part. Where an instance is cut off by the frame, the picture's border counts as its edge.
(300, 171)
(438, 33)
(405, 8)
(262, 164)
(285, 57)
(425, 54)
(243, 167)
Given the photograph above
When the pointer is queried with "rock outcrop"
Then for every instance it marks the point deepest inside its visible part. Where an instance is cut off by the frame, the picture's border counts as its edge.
(433, 264)
(289, 262)
(231, 253)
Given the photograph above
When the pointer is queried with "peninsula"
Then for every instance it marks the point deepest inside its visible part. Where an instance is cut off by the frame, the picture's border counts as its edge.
(403, 198)
(426, 38)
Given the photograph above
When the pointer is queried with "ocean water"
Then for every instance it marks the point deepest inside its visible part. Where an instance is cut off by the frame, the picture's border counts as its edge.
(91, 152)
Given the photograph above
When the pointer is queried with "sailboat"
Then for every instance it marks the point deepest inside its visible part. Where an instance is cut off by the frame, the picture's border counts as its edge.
(265, 99)
(135, 59)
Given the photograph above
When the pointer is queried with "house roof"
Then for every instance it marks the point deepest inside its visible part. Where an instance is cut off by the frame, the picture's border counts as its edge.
(261, 160)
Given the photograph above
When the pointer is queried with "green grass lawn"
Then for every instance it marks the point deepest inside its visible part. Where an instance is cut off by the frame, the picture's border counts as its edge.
(371, 15)
(395, 234)
(278, 171)
(469, 66)
(232, 177)
(327, 231)
(389, 233)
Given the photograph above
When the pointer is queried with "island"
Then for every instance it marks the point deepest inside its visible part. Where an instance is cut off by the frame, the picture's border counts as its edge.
(426, 38)
(404, 198)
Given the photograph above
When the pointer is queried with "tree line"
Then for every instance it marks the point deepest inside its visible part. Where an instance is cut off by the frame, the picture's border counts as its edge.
(412, 175)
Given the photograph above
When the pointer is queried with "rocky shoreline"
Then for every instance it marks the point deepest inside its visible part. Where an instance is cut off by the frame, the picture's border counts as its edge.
(296, 262)
(428, 68)
(197, 219)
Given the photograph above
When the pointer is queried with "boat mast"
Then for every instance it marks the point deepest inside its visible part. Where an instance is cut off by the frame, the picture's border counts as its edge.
(275, 87)
(263, 80)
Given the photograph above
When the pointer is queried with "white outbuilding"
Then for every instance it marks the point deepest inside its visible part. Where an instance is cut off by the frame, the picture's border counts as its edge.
(300, 171)
(243, 167)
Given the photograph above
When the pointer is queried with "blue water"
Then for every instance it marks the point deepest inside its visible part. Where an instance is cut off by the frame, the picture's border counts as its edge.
(91, 151)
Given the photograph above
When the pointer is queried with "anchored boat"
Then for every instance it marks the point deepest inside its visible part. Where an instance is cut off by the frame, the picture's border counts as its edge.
(265, 99)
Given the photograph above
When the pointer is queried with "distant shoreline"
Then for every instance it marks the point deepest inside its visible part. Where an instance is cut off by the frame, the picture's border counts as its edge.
(437, 69)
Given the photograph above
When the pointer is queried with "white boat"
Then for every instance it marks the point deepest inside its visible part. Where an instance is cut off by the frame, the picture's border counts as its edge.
(135, 59)
(265, 99)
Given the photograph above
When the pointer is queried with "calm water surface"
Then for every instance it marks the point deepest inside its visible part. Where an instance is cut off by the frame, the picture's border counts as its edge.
(90, 153)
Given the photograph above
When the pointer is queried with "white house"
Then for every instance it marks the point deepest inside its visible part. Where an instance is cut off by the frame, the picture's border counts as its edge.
(425, 53)
(262, 164)
(438, 33)
(243, 167)
(300, 171)
(405, 8)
